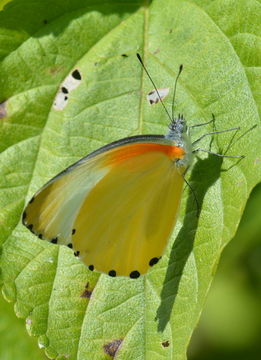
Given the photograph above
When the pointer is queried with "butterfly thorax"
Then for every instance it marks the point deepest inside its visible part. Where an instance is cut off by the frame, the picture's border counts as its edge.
(178, 133)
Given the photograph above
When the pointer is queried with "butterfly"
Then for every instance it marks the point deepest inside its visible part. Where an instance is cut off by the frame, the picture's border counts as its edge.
(117, 207)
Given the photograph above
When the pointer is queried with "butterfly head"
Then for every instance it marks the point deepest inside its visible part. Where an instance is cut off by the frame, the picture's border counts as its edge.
(178, 133)
(177, 127)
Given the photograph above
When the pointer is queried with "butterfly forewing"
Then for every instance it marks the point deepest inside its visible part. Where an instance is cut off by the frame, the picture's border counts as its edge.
(117, 206)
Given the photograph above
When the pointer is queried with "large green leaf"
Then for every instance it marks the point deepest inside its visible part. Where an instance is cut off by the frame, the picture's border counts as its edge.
(41, 42)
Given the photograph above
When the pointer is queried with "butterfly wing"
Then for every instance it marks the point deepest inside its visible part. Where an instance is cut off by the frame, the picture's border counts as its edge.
(117, 206)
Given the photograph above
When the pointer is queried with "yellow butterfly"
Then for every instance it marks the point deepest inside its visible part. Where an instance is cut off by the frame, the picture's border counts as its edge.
(117, 206)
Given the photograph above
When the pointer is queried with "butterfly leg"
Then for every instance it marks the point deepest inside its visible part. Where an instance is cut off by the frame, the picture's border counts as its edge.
(203, 124)
(221, 155)
(214, 132)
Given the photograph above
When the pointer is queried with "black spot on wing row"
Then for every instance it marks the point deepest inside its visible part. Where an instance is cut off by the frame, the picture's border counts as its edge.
(39, 235)
(134, 274)
(112, 273)
(154, 261)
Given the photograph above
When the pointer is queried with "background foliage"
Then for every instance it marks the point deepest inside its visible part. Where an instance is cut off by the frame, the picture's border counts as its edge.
(230, 325)
(41, 42)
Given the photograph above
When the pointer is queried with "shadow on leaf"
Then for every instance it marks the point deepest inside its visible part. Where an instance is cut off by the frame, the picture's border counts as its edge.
(204, 174)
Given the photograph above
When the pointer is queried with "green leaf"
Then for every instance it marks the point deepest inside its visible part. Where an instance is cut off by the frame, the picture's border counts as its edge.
(13, 341)
(41, 43)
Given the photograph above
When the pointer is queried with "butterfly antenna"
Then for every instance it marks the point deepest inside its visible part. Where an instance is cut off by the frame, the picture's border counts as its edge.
(142, 64)
(174, 92)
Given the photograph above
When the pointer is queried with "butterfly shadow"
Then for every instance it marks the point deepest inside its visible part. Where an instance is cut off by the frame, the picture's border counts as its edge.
(204, 174)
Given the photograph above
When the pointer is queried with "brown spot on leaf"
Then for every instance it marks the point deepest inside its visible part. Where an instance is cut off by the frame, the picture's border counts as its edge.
(156, 51)
(165, 343)
(3, 110)
(112, 347)
(53, 70)
(87, 293)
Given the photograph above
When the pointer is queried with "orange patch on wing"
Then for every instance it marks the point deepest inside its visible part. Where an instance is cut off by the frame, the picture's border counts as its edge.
(129, 151)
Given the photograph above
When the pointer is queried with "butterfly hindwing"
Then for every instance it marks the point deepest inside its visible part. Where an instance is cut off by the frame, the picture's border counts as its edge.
(126, 220)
